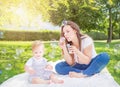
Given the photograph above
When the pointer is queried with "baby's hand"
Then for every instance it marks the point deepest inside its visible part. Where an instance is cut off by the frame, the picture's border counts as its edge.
(31, 71)
(49, 67)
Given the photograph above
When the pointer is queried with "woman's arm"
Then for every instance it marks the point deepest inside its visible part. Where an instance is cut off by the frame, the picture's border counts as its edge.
(85, 56)
(68, 58)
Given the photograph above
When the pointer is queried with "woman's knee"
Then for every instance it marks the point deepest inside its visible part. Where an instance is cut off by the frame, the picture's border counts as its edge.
(102, 58)
(62, 68)
(58, 67)
(105, 57)
(97, 64)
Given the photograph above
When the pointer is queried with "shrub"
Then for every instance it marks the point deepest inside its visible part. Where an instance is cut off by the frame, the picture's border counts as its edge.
(30, 35)
(97, 35)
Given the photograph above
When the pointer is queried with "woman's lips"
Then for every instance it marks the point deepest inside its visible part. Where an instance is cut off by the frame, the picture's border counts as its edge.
(68, 38)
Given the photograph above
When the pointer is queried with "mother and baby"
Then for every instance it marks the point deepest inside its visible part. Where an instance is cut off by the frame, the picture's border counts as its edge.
(81, 59)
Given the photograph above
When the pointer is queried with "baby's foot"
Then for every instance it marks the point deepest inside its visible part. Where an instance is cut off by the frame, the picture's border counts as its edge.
(40, 81)
(57, 81)
(76, 75)
(47, 82)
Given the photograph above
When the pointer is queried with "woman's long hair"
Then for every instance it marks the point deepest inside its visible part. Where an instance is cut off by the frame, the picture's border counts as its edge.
(75, 27)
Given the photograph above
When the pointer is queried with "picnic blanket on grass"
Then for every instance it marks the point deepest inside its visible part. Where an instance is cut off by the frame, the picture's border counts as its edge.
(102, 79)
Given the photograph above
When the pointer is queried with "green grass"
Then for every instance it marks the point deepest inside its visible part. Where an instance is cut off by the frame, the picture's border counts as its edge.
(14, 54)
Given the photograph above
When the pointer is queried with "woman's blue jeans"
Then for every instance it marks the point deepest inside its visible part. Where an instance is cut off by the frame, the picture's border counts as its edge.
(95, 66)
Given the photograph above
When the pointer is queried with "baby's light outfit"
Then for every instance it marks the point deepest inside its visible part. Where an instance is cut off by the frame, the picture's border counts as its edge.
(39, 67)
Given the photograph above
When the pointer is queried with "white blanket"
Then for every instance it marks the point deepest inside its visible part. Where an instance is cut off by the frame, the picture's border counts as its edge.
(103, 79)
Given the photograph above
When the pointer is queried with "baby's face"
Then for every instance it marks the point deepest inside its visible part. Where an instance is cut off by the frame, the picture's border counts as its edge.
(38, 52)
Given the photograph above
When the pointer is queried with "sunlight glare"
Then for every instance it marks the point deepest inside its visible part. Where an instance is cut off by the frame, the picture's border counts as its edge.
(20, 11)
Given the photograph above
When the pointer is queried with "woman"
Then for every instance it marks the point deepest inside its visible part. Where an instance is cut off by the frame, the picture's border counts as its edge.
(79, 53)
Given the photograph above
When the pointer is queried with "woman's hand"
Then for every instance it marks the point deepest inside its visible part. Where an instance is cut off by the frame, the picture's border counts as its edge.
(49, 67)
(83, 57)
(68, 58)
(73, 49)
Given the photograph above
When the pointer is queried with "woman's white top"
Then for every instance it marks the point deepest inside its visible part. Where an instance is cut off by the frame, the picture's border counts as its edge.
(85, 42)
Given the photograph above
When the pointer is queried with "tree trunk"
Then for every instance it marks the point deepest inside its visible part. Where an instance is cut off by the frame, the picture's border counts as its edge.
(110, 27)
(119, 32)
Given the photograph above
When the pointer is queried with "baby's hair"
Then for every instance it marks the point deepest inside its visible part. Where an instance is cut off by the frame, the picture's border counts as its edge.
(36, 44)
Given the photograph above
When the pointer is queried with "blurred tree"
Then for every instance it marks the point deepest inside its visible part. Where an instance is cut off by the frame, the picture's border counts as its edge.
(80, 11)
(101, 15)
(110, 10)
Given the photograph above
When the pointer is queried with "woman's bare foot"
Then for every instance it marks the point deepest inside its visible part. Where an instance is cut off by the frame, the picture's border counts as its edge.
(76, 75)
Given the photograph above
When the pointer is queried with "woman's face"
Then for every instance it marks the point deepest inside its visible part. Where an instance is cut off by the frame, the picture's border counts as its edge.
(69, 33)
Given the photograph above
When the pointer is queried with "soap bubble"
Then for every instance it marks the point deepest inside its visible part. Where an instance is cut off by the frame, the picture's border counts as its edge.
(3, 50)
(15, 57)
(117, 48)
(1, 34)
(117, 66)
(53, 44)
(19, 51)
(107, 46)
(0, 71)
(51, 55)
(5, 76)
(8, 66)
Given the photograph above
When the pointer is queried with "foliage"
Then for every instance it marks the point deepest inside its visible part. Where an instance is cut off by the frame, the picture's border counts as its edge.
(14, 54)
(46, 35)
(102, 15)
(97, 35)
(88, 14)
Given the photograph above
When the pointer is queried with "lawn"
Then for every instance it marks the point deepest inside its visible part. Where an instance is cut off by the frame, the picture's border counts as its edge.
(14, 54)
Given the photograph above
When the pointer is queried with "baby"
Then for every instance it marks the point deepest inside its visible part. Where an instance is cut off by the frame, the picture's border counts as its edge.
(40, 72)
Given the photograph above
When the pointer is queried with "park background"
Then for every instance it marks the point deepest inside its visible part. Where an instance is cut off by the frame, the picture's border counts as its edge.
(23, 21)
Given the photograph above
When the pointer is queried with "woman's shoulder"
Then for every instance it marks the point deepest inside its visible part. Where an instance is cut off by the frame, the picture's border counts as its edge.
(86, 41)
(86, 38)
